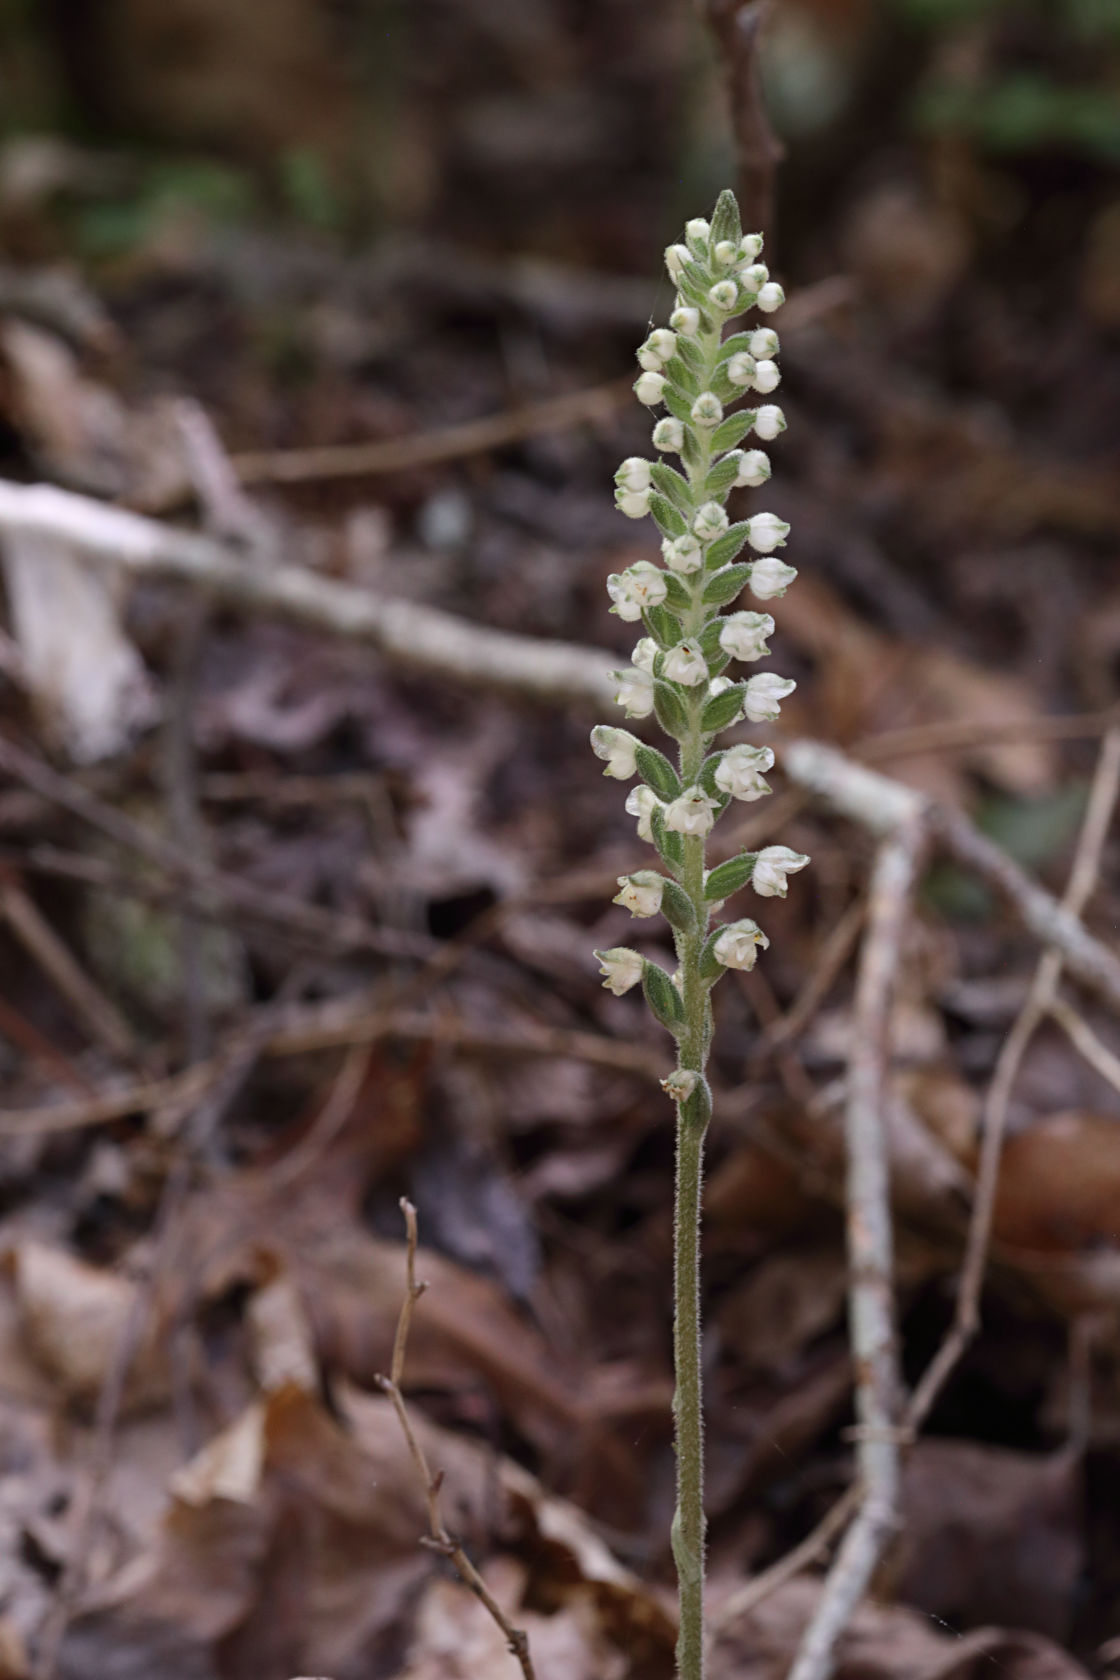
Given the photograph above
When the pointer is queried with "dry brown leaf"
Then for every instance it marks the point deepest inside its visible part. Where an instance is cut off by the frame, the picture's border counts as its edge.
(1059, 1185)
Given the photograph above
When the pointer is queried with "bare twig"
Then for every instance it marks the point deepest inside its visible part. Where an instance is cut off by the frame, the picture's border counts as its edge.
(956, 734)
(472, 437)
(870, 1287)
(799, 1557)
(1083, 876)
(438, 1537)
(1085, 1041)
(736, 27)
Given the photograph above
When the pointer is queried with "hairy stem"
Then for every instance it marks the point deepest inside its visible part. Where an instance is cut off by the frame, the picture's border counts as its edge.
(688, 1404)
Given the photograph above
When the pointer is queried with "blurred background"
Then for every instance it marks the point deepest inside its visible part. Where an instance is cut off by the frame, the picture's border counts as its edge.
(288, 930)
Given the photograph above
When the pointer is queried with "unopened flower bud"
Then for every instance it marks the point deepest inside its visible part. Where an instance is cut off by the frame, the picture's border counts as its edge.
(692, 812)
(633, 503)
(754, 277)
(741, 772)
(740, 369)
(680, 1084)
(640, 585)
(644, 654)
(641, 892)
(621, 968)
(663, 343)
(769, 421)
(725, 253)
(633, 691)
(649, 359)
(754, 469)
(763, 342)
(724, 295)
(750, 247)
(682, 554)
(642, 802)
(668, 435)
(707, 410)
(633, 474)
(764, 692)
(770, 578)
(686, 664)
(738, 944)
(767, 377)
(743, 635)
(765, 532)
(696, 233)
(711, 521)
(617, 748)
(685, 320)
(770, 297)
(675, 258)
(648, 388)
(771, 866)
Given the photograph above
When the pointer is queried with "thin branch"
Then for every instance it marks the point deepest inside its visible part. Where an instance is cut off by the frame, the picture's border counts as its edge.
(1040, 998)
(736, 26)
(1100, 1058)
(870, 1262)
(438, 1537)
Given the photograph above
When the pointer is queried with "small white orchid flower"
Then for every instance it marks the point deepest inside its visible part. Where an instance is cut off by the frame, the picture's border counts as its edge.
(633, 503)
(770, 578)
(770, 297)
(617, 747)
(767, 377)
(682, 554)
(764, 692)
(711, 521)
(642, 802)
(675, 258)
(696, 232)
(750, 248)
(754, 277)
(743, 635)
(740, 369)
(765, 531)
(686, 664)
(649, 387)
(633, 691)
(644, 654)
(668, 435)
(640, 893)
(741, 772)
(769, 421)
(724, 295)
(685, 320)
(621, 968)
(640, 585)
(754, 469)
(707, 410)
(771, 866)
(633, 474)
(692, 812)
(738, 944)
(680, 1084)
(763, 343)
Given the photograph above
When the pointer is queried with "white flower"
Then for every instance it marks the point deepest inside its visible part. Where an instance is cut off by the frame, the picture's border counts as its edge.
(685, 320)
(682, 554)
(680, 1084)
(763, 342)
(644, 654)
(621, 968)
(662, 342)
(675, 258)
(744, 634)
(767, 377)
(640, 585)
(765, 531)
(768, 421)
(770, 297)
(740, 369)
(760, 703)
(754, 277)
(707, 410)
(770, 578)
(633, 503)
(641, 893)
(696, 232)
(741, 772)
(711, 521)
(642, 802)
(754, 469)
(771, 866)
(750, 247)
(686, 664)
(633, 691)
(648, 388)
(737, 946)
(617, 747)
(692, 812)
(633, 474)
(725, 253)
(668, 434)
(649, 359)
(724, 295)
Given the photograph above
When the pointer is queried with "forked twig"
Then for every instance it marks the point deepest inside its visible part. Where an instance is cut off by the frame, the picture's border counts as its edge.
(438, 1538)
